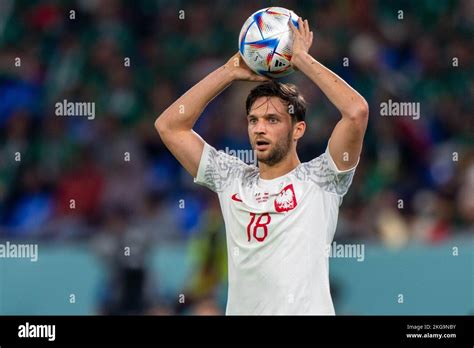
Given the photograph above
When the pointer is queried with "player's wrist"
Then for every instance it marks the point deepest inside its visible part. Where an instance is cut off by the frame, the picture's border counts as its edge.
(298, 58)
(227, 73)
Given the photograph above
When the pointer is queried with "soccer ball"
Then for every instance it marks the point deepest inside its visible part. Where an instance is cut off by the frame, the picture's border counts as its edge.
(266, 41)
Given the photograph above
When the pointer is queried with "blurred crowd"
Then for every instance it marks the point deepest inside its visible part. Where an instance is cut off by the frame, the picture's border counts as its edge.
(69, 178)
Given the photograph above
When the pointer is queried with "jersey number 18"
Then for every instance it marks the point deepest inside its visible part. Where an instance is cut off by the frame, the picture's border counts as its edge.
(253, 227)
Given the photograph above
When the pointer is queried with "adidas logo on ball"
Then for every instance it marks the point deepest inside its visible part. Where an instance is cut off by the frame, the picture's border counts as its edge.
(279, 63)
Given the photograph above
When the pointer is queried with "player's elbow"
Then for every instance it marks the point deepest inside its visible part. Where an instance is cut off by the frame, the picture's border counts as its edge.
(360, 112)
(160, 125)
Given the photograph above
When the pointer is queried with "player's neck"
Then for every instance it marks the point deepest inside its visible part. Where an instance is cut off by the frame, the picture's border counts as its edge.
(279, 169)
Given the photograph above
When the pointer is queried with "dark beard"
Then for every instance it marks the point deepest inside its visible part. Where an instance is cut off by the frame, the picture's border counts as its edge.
(278, 152)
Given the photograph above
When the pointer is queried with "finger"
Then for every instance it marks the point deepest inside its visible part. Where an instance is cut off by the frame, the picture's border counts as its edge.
(292, 26)
(311, 39)
(300, 25)
(261, 78)
(306, 26)
(307, 36)
(257, 77)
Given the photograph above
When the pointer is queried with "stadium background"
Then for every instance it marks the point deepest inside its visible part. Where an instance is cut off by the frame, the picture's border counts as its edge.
(423, 250)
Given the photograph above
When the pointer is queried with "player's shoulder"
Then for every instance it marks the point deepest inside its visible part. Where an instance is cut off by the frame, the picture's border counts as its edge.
(225, 166)
(318, 167)
(322, 172)
(228, 160)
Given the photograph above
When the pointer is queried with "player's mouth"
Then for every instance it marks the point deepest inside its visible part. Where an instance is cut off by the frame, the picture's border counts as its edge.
(262, 145)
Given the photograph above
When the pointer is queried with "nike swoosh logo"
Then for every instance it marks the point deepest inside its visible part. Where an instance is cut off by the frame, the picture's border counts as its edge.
(235, 198)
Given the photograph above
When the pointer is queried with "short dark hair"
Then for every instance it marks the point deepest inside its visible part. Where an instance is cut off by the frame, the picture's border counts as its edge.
(285, 91)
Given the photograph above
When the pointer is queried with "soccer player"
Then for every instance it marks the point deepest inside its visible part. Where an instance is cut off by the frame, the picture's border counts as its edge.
(280, 217)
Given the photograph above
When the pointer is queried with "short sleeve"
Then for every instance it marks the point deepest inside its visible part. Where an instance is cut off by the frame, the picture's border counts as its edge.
(323, 172)
(218, 169)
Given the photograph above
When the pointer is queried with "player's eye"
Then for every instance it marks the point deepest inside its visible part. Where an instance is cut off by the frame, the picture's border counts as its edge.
(252, 120)
(273, 120)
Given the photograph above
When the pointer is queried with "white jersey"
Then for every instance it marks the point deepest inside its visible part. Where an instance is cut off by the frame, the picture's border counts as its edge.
(277, 232)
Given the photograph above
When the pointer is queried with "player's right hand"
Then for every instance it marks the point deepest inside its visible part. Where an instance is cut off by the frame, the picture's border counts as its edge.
(240, 71)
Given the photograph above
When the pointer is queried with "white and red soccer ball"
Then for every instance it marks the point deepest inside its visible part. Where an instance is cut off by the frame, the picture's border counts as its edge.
(266, 41)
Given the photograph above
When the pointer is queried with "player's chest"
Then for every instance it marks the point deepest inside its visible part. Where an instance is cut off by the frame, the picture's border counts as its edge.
(279, 198)
(259, 214)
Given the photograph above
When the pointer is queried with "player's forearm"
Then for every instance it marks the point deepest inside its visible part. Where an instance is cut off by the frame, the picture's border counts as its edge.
(184, 112)
(350, 103)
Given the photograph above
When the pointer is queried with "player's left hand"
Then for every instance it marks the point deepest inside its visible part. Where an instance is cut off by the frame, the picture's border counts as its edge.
(240, 71)
(302, 37)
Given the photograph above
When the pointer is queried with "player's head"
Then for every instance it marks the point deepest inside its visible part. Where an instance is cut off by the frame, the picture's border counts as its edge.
(275, 114)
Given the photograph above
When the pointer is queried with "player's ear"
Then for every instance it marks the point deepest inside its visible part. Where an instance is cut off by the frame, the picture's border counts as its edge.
(298, 130)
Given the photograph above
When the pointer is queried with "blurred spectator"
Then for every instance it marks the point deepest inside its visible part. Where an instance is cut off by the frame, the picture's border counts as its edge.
(208, 250)
(80, 189)
(124, 250)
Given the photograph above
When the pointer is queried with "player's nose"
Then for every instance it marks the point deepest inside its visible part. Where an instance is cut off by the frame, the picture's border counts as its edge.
(259, 127)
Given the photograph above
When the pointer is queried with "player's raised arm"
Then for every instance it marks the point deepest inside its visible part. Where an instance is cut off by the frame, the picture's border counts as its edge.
(345, 144)
(175, 124)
